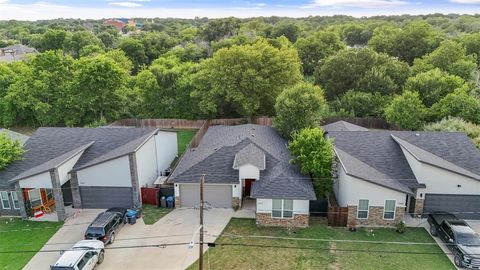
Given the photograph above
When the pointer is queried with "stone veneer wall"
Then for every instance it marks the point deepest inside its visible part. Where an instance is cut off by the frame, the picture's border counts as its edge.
(177, 202)
(418, 211)
(298, 220)
(236, 203)
(375, 217)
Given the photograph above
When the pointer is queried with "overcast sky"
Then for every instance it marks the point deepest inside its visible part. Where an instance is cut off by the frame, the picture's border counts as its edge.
(90, 9)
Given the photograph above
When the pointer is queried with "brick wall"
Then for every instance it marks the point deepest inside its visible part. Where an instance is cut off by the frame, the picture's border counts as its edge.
(418, 207)
(265, 219)
(177, 202)
(236, 203)
(375, 217)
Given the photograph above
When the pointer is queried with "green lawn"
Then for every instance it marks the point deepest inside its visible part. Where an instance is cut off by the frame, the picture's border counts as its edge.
(17, 235)
(152, 214)
(315, 254)
(184, 137)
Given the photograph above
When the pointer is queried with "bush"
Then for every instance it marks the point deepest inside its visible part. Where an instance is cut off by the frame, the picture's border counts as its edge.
(10, 150)
(456, 124)
(460, 104)
(362, 104)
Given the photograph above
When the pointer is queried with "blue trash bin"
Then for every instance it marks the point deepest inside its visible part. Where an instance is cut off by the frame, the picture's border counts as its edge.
(170, 202)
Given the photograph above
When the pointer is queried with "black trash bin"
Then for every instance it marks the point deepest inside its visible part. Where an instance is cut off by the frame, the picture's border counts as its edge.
(132, 220)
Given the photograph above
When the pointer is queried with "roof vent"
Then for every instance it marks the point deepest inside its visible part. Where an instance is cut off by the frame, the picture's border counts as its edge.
(417, 134)
(253, 135)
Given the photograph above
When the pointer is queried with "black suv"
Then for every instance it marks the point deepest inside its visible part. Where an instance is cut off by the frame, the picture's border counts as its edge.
(106, 224)
(462, 240)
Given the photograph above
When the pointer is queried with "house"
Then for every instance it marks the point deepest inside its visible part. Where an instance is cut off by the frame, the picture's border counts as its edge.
(343, 126)
(241, 163)
(383, 175)
(86, 168)
(15, 52)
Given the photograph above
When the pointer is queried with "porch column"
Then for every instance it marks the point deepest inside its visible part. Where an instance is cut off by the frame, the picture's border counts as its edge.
(77, 199)
(134, 178)
(58, 195)
(21, 202)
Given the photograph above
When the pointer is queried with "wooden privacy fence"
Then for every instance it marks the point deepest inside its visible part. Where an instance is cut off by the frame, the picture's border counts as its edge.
(337, 216)
(150, 196)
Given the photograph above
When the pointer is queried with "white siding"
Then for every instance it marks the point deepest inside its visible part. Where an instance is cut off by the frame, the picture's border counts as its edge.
(299, 206)
(113, 173)
(42, 180)
(441, 181)
(146, 158)
(66, 167)
(237, 190)
(248, 171)
(352, 189)
(166, 143)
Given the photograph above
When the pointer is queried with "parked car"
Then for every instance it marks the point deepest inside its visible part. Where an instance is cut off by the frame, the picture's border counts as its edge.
(121, 211)
(105, 226)
(84, 255)
(462, 240)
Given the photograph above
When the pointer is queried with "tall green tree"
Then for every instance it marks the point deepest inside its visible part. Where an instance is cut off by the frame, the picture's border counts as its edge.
(456, 124)
(316, 47)
(361, 70)
(135, 50)
(314, 155)
(246, 78)
(53, 39)
(472, 45)
(362, 104)
(10, 150)
(75, 42)
(407, 111)
(433, 85)
(355, 34)
(289, 30)
(459, 104)
(299, 107)
(451, 57)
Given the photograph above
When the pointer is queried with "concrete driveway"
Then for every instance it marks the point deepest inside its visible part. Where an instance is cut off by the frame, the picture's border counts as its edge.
(70, 233)
(176, 227)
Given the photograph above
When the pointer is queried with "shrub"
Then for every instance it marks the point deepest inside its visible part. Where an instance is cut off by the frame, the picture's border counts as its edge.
(456, 124)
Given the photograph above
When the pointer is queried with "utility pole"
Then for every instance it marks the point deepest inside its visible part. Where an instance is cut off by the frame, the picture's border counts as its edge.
(200, 259)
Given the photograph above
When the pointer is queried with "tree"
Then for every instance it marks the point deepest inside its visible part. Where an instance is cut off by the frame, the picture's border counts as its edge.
(361, 70)
(156, 44)
(355, 34)
(433, 85)
(472, 45)
(10, 150)
(450, 57)
(414, 40)
(286, 29)
(246, 78)
(220, 28)
(456, 124)
(53, 39)
(165, 89)
(406, 111)
(135, 50)
(459, 104)
(362, 104)
(298, 107)
(98, 90)
(108, 39)
(313, 49)
(313, 153)
(76, 41)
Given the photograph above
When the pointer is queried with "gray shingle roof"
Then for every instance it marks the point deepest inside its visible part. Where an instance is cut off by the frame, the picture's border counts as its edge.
(252, 155)
(375, 157)
(216, 152)
(48, 145)
(14, 135)
(20, 51)
(342, 126)
(453, 151)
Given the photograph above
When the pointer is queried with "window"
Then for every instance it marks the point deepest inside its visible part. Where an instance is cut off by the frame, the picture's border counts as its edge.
(5, 200)
(34, 197)
(389, 210)
(16, 205)
(362, 212)
(282, 208)
(49, 194)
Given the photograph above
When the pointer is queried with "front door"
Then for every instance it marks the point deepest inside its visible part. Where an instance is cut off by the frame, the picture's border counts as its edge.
(248, 187)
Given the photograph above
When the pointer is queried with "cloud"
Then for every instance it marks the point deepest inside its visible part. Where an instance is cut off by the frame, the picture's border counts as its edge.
(125, 4)
(359, 3)
(466, 1)
(47, 4)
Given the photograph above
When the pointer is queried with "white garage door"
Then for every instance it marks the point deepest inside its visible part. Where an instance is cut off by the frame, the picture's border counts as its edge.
(219, 196)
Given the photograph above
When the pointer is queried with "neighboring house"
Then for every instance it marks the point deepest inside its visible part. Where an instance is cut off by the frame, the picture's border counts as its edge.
(86, 167)
(382, 175)
(14, 135)
(15, 52)
(343, 126)
(118, 24)
(245, 162)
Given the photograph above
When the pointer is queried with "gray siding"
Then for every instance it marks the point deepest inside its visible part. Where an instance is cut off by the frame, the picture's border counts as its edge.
(463, 206)
(219, 196)
(106, 197)
(11, 211)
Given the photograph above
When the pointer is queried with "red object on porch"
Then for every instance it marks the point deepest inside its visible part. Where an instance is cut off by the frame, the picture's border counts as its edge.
(38, 214)
(150, 195)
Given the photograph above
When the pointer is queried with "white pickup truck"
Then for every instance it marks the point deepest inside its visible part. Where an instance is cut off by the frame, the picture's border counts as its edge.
(84, 255)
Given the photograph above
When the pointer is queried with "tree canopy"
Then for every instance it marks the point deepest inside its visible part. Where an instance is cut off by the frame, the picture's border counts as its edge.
(407, 111)
(10, 150)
